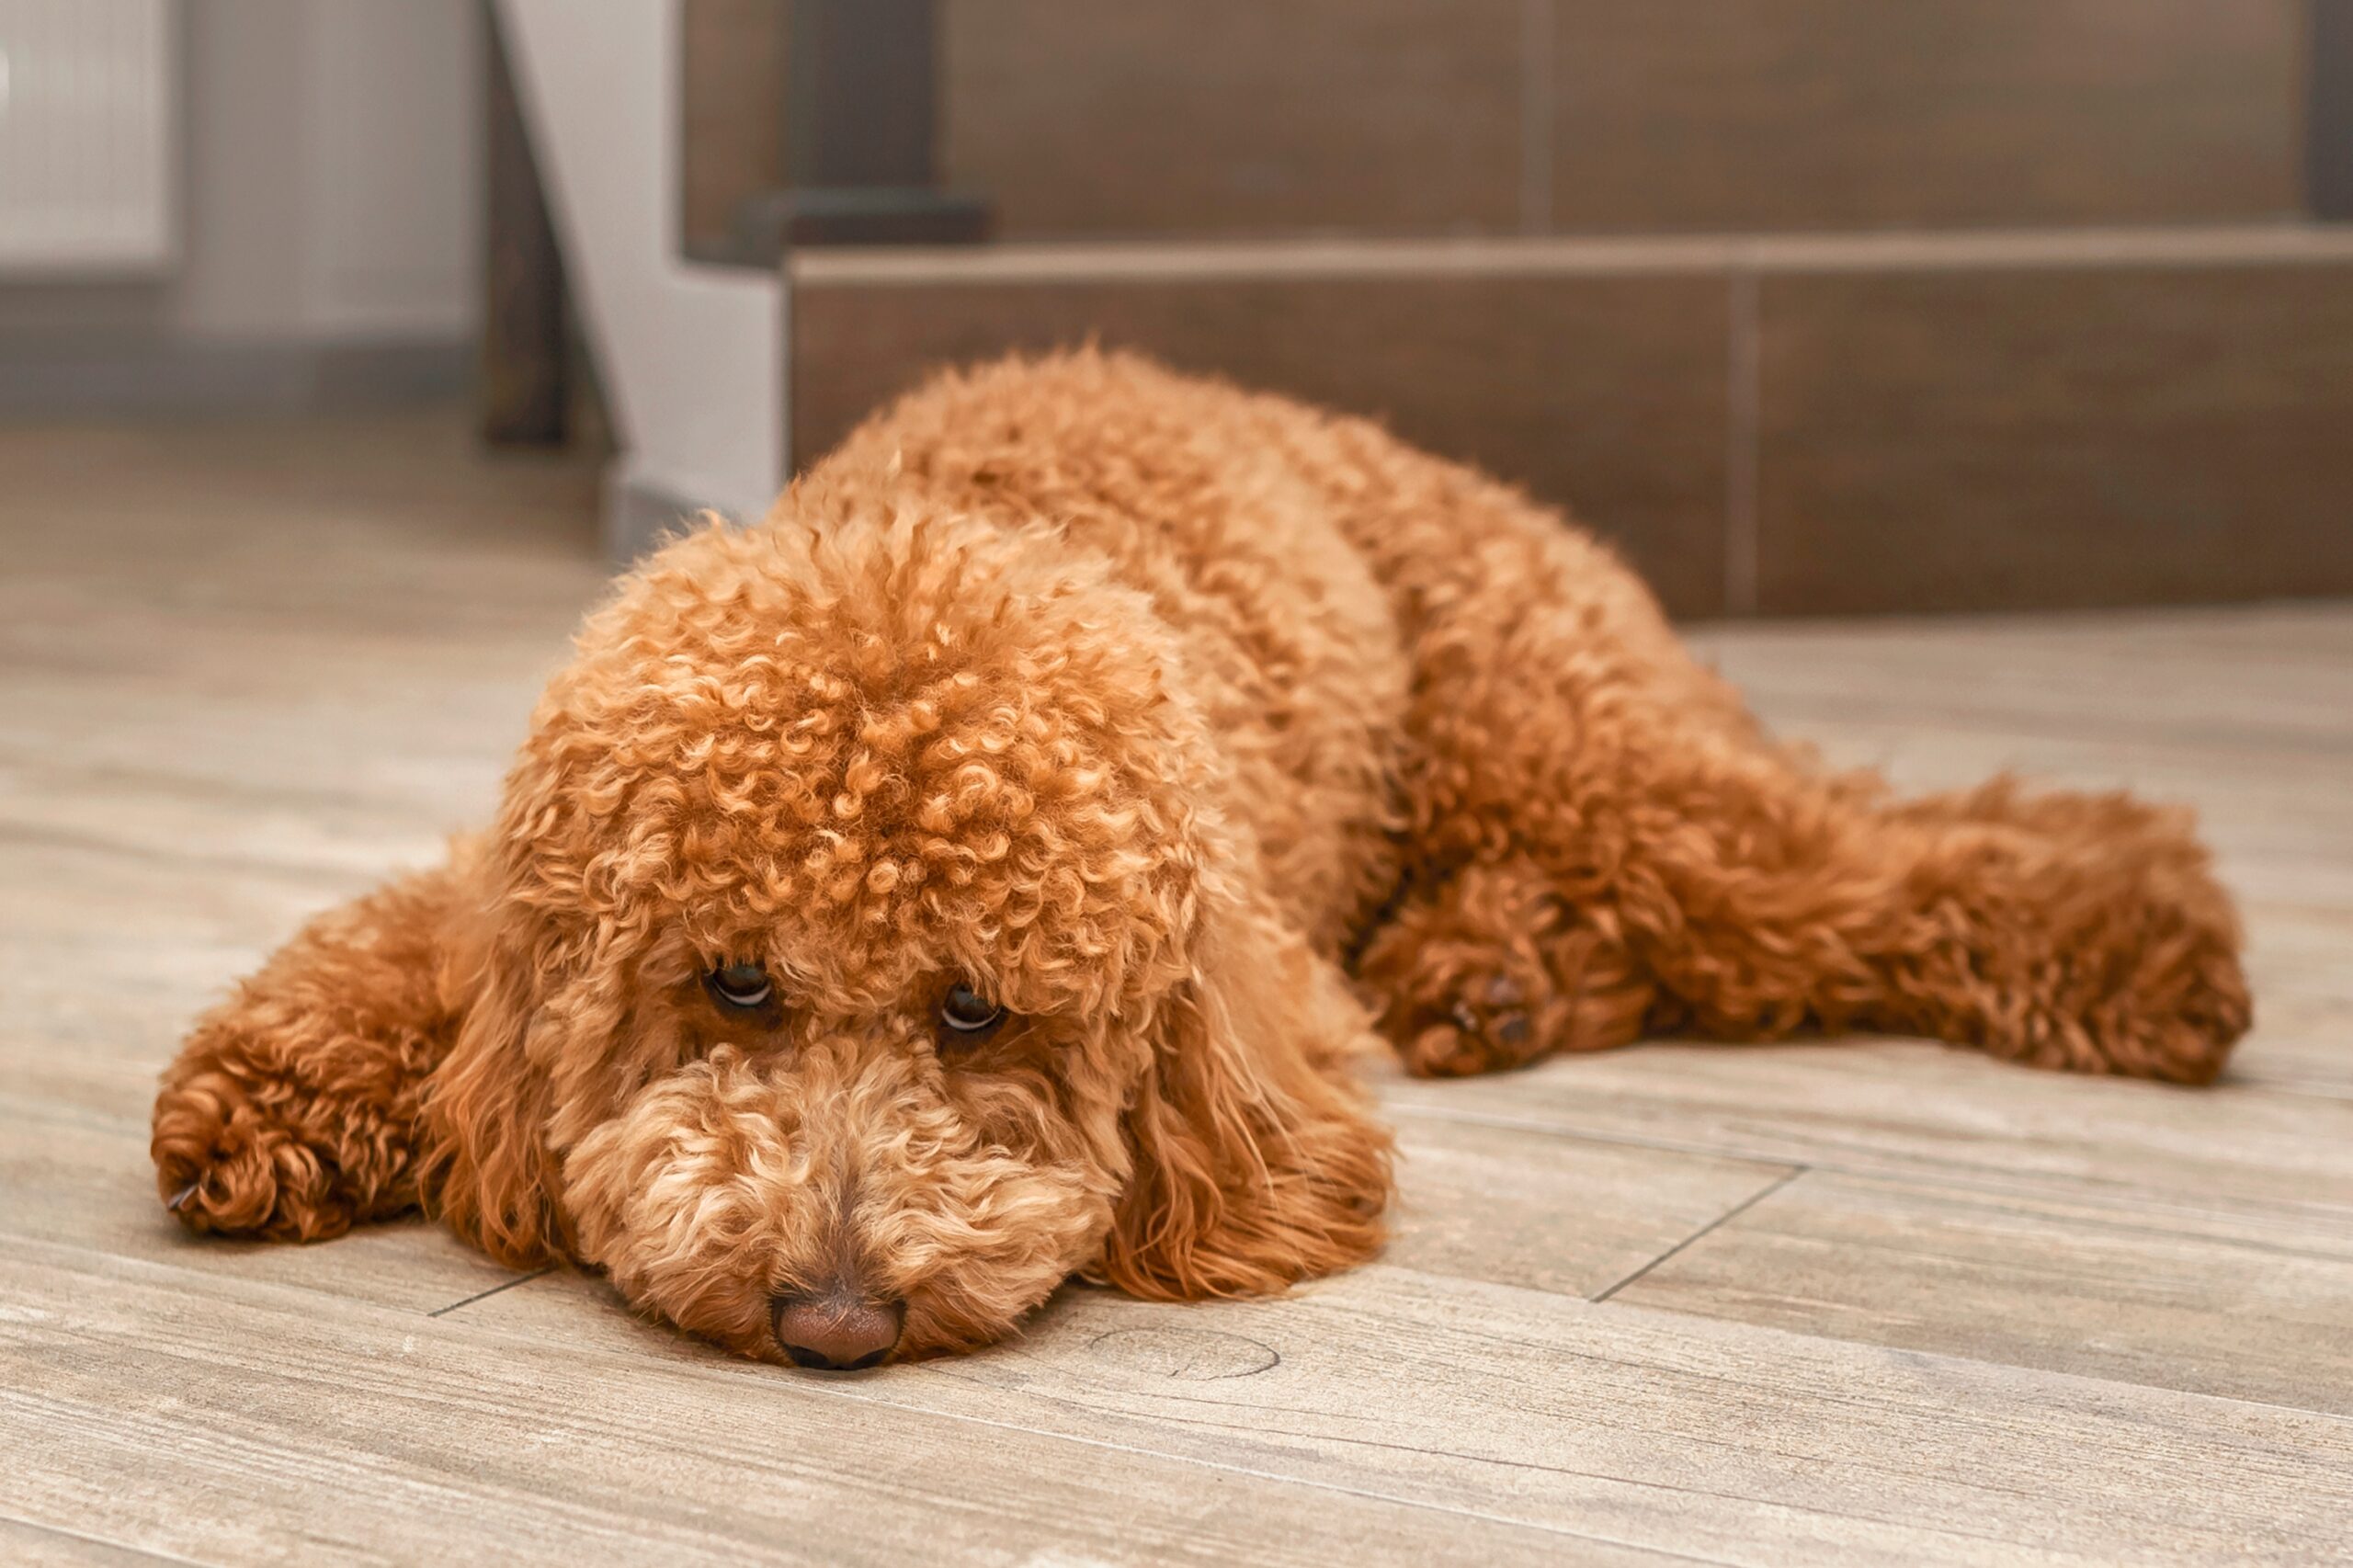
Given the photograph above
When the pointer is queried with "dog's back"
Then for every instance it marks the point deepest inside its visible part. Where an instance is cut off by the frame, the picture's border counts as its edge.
(1307, 561)
(1238, 516)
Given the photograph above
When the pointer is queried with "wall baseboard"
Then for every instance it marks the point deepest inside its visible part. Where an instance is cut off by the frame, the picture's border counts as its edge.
(1769, 424)
(640, 516)
(107, 378)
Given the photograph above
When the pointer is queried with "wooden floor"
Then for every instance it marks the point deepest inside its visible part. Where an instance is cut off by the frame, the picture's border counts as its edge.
(1871, 1301)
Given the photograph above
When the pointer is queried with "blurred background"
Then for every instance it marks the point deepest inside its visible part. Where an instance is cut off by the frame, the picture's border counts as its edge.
(1974, 379)
(1816, 306)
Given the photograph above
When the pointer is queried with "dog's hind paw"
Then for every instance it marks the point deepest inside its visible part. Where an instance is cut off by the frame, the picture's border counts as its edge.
(2179, 1025)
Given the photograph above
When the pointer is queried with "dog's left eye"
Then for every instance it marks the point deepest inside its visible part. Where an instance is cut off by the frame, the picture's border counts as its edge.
(742, 986)
(965, 1012)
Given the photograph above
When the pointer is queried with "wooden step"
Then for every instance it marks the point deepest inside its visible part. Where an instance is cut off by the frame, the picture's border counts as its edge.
(1777, 424)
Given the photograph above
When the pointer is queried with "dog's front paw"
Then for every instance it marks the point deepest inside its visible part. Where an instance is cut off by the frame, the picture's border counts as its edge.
(223, 1164)
(1452, 1009)
(1489, 1024)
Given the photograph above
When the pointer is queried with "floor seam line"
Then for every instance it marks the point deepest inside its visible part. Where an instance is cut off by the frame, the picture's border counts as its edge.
(494, 1290)
(1734, 1212)
(68, 1533)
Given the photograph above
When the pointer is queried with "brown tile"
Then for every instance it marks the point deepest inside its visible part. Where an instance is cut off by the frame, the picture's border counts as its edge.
(2328, 113)
(1694, 114)
(1478, 1201)
(2010, 440)
(1075, 117)
(1607, 393)
(2117, 1293)
(732, 138)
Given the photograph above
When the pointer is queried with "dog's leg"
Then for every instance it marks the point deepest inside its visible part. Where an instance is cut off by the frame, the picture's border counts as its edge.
(291, 1112)
(2064, 931)
(1557, 722)
(1489, 968)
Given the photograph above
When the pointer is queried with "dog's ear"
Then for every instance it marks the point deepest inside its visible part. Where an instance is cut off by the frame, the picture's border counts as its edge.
(1256, 1161)
(489, 1172)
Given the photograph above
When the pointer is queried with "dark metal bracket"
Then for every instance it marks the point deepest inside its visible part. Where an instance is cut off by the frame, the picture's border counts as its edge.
(861, 108)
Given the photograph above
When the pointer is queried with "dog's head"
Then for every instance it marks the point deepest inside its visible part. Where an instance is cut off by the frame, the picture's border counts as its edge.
(865, 953)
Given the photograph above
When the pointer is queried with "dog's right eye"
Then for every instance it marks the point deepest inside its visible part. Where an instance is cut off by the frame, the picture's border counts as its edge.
(742, 986)
(967, 1018)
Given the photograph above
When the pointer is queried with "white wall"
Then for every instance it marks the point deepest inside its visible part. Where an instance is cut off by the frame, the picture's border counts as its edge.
(330, 182)
(691, 358)
(390, 206)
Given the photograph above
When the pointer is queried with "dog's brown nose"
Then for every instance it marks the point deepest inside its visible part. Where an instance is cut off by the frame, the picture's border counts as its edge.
(839, 1331)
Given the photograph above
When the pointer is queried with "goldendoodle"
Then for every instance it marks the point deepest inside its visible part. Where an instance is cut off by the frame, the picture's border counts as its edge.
(992, 867)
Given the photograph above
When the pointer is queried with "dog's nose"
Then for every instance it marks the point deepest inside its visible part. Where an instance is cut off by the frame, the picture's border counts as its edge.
(839, 1331)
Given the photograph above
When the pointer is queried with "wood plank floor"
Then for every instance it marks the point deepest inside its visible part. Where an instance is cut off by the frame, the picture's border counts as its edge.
(1873, 1301)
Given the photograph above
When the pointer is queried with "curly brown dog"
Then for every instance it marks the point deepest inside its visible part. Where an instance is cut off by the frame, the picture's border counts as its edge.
(990, 869)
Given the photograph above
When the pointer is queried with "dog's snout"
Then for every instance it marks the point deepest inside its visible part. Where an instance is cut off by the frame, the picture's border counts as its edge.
(837, 1331)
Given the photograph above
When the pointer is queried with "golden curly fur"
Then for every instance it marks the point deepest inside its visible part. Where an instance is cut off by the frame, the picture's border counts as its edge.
(1211, 736)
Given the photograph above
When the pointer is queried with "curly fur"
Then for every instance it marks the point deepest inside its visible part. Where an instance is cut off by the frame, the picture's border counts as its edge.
(1215, 737)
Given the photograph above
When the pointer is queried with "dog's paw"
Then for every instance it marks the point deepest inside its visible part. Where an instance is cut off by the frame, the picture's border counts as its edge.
(1452, 1009)
(223, 1164)
(2154, 989)
(2179, 1025)
(1490, 1024)
(2191, 1047)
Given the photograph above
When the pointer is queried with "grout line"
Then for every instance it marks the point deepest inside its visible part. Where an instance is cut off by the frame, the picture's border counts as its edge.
(1927, 1189)
(2270, 244)
(1734, 1212)
(1743, 400)
(494, 1290)
(112, 1544)
(2328, 109)
(1537, 91)
(789, 458)
(1958, 1176)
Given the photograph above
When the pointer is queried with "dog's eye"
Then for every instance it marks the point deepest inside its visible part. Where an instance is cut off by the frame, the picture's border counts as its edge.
(966, 1015)
(742, 986)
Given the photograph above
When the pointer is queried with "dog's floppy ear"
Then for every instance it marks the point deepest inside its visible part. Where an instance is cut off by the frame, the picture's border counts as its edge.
(538, 998)
(1256, 1163)
(489, 1172)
